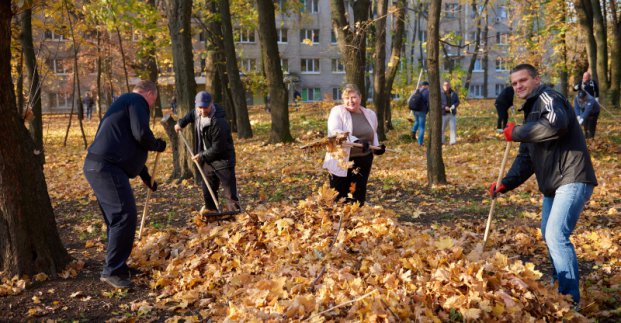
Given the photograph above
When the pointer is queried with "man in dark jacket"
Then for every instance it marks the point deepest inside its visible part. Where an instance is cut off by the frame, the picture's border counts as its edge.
(552, 147)
(589, 85)
(450, 102)
(214, 150)
(587, 111)
(419, 108)
(503, 103)
(118, 153)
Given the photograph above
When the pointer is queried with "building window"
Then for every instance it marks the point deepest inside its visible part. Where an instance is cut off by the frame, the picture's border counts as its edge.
(502, 38)
(309, 65)
(422, 35)
(311, 94)
(475, 91)
(501, 64)
(310, 6)
(336, 93)
(332, 37)
(245, 36)
(309, 36)
(248, 65)
(50, 35)
(60, 100)
(502, 14)
(59, 67)
(477, 66)
(281, 35)
(284, 65)
(451, 10)
(499, 88)
(337, 66)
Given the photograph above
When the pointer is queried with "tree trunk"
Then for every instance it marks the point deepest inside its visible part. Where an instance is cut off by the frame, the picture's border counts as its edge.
(395, 57)
(34, 93)
(477, 42)
(379, 70)
(98, 81)
(150, 63)
(118, 34)
(615, 56)
(564, 73)
(585, 19)
(601, 41)
(352, 40)
(278, 92)
(236, 87)
(435, 164)
(168, 123)
(485, 58)
(29, 240)
(179, 16)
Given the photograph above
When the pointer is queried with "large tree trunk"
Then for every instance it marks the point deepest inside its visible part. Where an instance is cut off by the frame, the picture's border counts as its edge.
(351, 39)
(379, 70)
(150, 64)
(585, 20)
(34, 83)
(395, 57)
(278, 92)
(477, 41)
(615, 55)
(236, 87)
(435, 165)
(98, 79)
(29, 240)
(179, 14)
(601, 41)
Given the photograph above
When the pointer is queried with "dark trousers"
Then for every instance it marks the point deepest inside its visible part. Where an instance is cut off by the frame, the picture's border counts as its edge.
(215, 177)
(358, 175)
(589, 125)
(117, 203)
(503, 116)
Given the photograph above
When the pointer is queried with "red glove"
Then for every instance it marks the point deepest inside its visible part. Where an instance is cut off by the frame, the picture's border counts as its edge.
(493, 190)
(509, 130)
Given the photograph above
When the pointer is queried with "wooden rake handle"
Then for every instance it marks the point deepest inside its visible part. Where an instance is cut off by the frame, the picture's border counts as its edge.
(146, 203)
(200, 170)
(355, 144)
(491, 209)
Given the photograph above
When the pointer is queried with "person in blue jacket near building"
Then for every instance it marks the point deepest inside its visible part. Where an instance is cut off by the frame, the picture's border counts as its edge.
(118, 153)
(587, 111)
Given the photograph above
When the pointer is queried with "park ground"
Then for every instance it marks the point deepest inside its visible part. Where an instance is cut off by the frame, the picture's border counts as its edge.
(288, 257)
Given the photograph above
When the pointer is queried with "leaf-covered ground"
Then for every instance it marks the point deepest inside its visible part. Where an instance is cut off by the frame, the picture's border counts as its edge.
(410, 254)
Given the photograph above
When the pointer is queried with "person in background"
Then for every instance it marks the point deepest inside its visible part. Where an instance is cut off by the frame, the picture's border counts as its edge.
(589, 85)
(361, 125)
(553, 148)
(450, 102)
(419, 105)
(87, 104)
(213, 150)
(503, 103)
(297, 98)
(118, 153)
(587, 111)
(173, 104)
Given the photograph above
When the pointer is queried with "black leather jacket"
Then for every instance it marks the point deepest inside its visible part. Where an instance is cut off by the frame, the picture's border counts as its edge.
(552, 145)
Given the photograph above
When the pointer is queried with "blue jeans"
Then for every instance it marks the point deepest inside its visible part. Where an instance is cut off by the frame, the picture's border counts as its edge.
(559, 216)
(419, 124)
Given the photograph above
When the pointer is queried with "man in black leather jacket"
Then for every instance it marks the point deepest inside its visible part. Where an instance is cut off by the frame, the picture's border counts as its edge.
(552, 147)
(214, 150)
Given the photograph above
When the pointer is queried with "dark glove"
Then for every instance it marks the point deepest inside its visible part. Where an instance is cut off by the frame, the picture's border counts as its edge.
(160, 145)
(509, 130)
(380, 151)
(365, 145)
(493, 190)
(147, 180)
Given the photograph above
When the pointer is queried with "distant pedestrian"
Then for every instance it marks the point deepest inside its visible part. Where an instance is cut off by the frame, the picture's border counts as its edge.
(503, 103)
(587, 111)
(418, 103)
(450, 102)
(118, 153)
(87, 104)
(589, 85)
(173, 104)
(297, 98)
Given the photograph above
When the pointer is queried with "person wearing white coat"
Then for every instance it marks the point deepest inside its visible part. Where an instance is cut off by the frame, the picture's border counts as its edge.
(361, 125)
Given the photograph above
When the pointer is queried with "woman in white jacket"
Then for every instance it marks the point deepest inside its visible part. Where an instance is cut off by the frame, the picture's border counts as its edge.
(361, 124)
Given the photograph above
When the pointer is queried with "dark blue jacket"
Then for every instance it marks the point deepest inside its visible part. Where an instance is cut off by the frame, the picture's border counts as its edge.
(454, 100)
(589, 107)
(124, 137)
(552, 145)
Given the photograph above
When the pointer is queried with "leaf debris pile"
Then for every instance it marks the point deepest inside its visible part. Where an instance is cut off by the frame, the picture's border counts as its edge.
(262, 267)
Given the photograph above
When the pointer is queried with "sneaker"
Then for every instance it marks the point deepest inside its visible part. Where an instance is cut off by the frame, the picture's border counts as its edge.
(499, 130)
(116, 281)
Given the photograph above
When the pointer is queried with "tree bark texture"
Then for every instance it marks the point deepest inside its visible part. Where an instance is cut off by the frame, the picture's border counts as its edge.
(379, 70)
(585, 20)
(280, 131)
(34, 82)
(168, 123)
(615, 55)
(395, 58)
(351, 39)
(435, 165)
(29, 240)
(179, 14)
(236, 87)
(601, 41)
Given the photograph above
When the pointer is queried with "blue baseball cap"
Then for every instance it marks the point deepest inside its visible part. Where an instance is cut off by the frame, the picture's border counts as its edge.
(203, 99)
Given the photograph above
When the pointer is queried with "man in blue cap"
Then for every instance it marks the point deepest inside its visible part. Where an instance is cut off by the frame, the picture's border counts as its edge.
(118, 153)
(213, 150)
(587, 112)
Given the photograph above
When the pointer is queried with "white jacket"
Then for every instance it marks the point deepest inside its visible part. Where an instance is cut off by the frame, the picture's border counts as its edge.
(340, 121)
